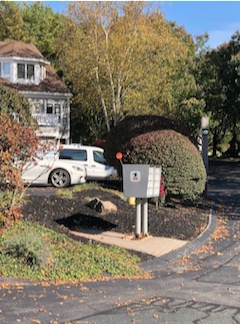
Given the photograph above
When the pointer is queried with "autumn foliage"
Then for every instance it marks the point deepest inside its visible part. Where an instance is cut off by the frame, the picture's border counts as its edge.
(18, 144)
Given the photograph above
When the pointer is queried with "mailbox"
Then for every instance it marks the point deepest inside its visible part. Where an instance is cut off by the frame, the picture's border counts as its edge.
(141, 180)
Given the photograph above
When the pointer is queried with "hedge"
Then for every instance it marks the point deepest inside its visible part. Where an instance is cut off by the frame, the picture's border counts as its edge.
(182, 165)
(133, 126)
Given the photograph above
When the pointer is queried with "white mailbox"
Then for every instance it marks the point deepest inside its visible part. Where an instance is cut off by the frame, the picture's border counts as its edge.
(141, 180)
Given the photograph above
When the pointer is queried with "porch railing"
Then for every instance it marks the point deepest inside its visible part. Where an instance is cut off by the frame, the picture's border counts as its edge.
(47, 120)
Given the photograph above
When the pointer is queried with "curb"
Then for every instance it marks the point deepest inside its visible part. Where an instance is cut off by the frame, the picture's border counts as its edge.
(164, 261)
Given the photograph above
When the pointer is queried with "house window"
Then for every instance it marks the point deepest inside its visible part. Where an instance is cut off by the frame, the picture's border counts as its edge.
(58, 112)
(42, 72)
(57, 109)
(30, 71)
(49, 109)
(5, 69)
(25, 71)
(39, 108)
(21, 71)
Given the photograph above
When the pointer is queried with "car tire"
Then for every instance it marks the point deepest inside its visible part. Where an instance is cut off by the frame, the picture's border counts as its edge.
(60, 178)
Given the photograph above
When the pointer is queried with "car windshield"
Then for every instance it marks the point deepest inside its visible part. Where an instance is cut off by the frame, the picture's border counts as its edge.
(99, 157)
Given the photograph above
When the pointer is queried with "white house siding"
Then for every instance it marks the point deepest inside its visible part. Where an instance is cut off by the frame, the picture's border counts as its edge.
(48, 95)
(53, 126)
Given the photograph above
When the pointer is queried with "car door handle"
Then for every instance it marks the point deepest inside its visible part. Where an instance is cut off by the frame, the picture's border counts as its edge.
(93, 166)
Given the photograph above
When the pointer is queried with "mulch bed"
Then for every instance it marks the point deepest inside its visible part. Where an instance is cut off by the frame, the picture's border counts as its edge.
(176, 220)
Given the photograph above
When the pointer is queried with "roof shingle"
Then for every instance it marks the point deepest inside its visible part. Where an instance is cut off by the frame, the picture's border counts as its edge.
(16, 48)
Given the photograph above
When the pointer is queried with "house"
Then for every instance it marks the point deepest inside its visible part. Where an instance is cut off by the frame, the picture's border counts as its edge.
(23, 67)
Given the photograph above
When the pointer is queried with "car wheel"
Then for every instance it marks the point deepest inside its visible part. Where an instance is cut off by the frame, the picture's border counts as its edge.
(60, 178)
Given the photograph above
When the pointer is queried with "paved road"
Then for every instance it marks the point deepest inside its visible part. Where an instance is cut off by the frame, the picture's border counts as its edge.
(197, 284)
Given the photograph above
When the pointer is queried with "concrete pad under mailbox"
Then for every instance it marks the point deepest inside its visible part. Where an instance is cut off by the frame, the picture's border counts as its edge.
(155, 246)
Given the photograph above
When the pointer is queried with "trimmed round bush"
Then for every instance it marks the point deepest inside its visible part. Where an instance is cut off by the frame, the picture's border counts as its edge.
(133, 126)
(182, 165)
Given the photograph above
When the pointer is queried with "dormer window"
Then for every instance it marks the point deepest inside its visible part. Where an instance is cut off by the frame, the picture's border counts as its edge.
(42, 72)
(21, 71)
(5, 70)
(25, 71)
(30, 71)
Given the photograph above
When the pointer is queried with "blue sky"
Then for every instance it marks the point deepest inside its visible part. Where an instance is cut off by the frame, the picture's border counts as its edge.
(220, 19)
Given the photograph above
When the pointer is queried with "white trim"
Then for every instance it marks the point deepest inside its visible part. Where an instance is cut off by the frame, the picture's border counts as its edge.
(27, 59)
(46, 95)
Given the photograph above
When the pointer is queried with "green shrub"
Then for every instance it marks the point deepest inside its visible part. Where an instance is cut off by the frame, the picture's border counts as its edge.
(11, 101)
(29, 247)
(133, 126)
(182, 165)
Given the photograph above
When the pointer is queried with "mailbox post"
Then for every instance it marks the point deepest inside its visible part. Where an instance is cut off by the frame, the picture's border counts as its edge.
(141, 181)
(204, 128)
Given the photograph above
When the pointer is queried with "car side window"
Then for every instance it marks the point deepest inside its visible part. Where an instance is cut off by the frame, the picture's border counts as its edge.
(77, 155)
(99, 157)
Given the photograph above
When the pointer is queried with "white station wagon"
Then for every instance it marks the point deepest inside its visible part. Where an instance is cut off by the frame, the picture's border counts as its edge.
(89, 157)
(71, 164)
(48, 170)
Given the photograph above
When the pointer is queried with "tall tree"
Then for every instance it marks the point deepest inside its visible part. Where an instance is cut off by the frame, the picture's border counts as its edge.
(123, 59)
(232, 79)
(219, 75)
(11, 21)
(43, 27)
